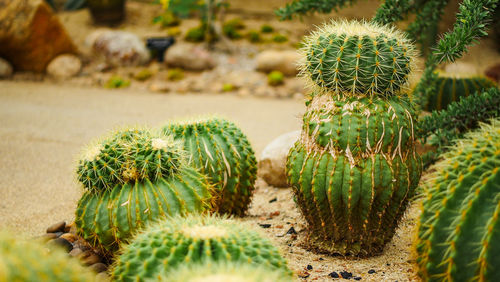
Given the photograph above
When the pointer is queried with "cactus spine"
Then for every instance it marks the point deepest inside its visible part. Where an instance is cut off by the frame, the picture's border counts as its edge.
(355, 168)
(168, 244)
(131, 178)
(220, 150)
(451, 88)
(22, 260)
(459, 229)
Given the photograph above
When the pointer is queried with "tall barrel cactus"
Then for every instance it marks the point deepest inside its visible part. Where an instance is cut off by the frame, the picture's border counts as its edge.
(459, 229)
(355, 168)
(169, 244)
(22, 260)
(219, 149)
(133, 177)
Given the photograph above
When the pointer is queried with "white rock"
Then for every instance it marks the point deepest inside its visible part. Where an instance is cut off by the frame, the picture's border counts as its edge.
(118, 48)
(273, 159)
(189, 57)
(284, 61)
(5, 68)
(64, 66)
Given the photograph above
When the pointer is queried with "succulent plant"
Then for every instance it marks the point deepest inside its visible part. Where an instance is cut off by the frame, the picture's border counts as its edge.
(275, 78)
(23, 260)
(459, 229)
(227, 272)
(176, 241)
(219, 149)
(133, 177)
(451, 88)
(355, 168)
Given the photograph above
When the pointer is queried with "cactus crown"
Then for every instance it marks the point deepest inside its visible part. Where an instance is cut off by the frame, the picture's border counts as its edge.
(128, 156)
(357, 58)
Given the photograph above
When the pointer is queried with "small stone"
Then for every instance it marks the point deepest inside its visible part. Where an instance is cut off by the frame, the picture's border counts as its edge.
(357, 278)
(334, 274)
(321, 259)
(102, 277)
(303, 274)
(346, 275)
(89, 258)
(273, 200)
(60, 243)
(75, 252)
(6, 69)
(291, 231)
(69, 227)
(58, 234)
(189, 57)
(264, 225)
(371, 271)
(275, 213)
(98, 267)
(64, 66)
(70, 237)
(309, 267)
(56, 227)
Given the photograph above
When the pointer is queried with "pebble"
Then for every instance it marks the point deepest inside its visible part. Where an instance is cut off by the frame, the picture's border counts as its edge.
(56, 227)
(264, 225)
(371, 271)
(102, 277)
(98, 267)
(75, 252)
(60, 242)
(89, 258)
(309, 267)
(70, 237)
(346, 275)
(357, 278)
(334, 274)
(291, 231)
(273, 200)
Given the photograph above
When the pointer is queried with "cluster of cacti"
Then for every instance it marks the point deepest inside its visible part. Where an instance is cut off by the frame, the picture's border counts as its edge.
(130, 178)
(163, 247)
(443, 127)
(459, 230)
(450, 88)
(219, 149)
(23, 260)
(226, 272)
(355, 168)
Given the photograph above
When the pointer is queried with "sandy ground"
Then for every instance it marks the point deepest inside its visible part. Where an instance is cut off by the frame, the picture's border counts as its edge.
(43, 128)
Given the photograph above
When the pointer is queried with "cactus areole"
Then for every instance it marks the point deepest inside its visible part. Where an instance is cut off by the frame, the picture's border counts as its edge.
(355, 168)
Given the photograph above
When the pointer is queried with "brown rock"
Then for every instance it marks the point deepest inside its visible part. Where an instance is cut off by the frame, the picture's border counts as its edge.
(89, 258)
(189, 57)
(31, 34)
(69, 227)
(64, 66)
(75, 252)
(69, 237)
(5, 68)
(56, 227)
(98, 267)
(275, 60)
(102, 277)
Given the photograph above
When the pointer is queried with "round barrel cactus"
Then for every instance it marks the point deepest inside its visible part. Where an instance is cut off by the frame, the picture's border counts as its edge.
(168, 244)
(220, 149)
(23, 260)
(451, 88)
(459, 229)
(131, 178)
(355, 168)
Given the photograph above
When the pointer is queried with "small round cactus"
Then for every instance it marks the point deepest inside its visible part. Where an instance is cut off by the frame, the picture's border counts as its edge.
(353, 58)
(23, 260)
(459, 229)
(219, 149)
(133, 177)
(168, 244)
(225, 272)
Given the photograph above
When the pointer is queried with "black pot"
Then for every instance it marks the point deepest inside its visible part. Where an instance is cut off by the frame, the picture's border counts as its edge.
(107, 12)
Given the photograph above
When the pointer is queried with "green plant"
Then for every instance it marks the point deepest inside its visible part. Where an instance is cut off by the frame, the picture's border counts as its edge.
(23, 260)
(117, 81)
(451, 88)
(130, 178)
(280, 38)
(175, 74)
(177, 241)
(167, 19)
(228, 87)
(265, 28)
(254, 36)
(443, 128)
(354, 169)
(459, 230)
(195, 34)
(275, 78)
(143, 75)
(220, 150)
(231, 28)
(227, 271)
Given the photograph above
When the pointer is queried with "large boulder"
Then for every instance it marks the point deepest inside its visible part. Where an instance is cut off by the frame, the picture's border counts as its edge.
(118, 48)
(189, 57)
(272, 164)
(31, 35)
(5, 68)
(64, 66)
(275, 60)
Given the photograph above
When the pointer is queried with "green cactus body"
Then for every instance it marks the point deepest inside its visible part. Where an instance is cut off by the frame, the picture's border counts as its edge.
(459, 230)
(149, 181)
(451, 89)
(169, 244)
(220, 150)
(350, 58)
(355, 167)
(23, 260)
(226, 272)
